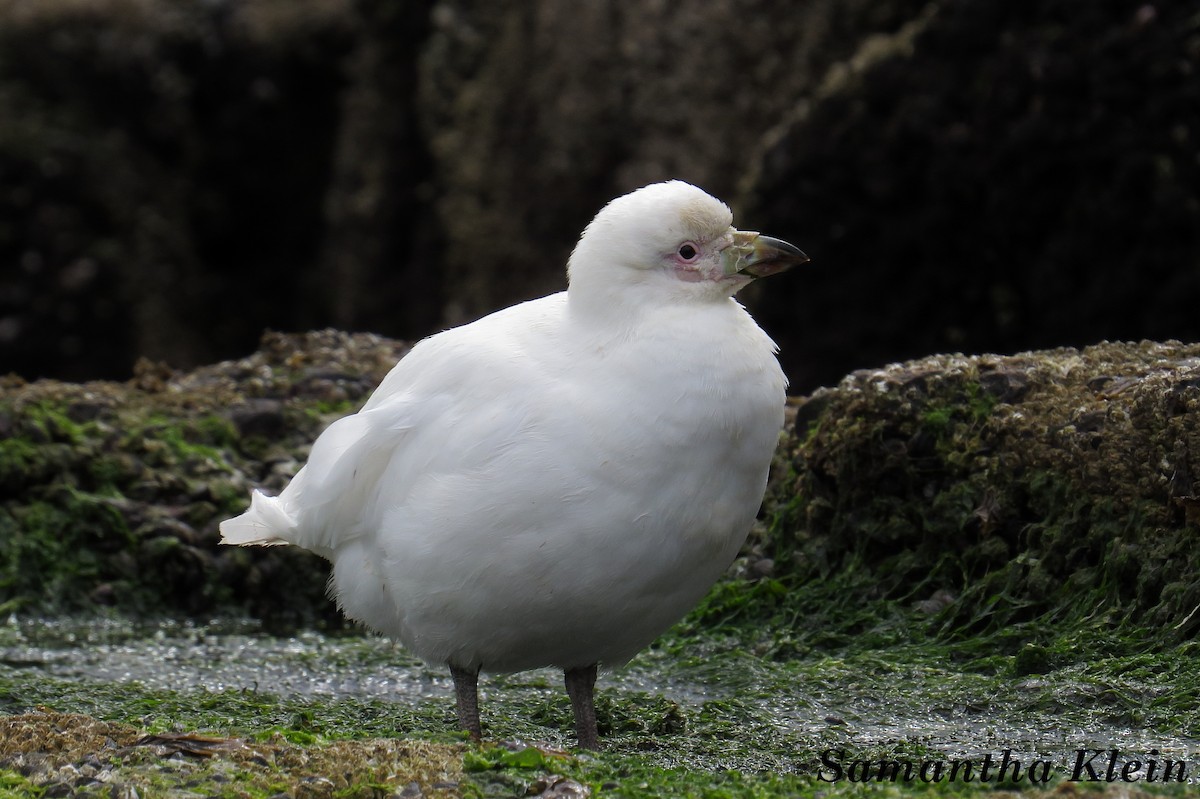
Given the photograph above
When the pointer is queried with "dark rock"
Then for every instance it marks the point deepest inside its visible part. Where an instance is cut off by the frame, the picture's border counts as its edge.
(103, 594)
(1004, 386)
(760, 568)
(982, 179)
(939, 601)
(260, 416)
(87, 411)
(158, 154)
(978, 177)
(166, 527)
(809, 410)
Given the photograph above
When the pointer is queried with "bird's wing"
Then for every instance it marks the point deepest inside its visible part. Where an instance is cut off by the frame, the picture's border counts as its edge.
(434, 410)
(325, 501)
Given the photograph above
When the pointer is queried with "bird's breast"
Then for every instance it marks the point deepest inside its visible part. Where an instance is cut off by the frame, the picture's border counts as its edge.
(690, 429)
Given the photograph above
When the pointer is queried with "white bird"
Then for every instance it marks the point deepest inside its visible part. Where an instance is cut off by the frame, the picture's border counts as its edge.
(559, 482)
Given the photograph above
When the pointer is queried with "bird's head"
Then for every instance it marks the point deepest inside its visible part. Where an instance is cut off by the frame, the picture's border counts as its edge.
(670, 242)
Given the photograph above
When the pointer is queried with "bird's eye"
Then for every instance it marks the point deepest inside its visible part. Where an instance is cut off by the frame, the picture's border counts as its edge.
(687, 251)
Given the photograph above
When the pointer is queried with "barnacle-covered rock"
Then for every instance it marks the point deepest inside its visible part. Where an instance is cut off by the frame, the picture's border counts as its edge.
(110, 493)
(1007, 486)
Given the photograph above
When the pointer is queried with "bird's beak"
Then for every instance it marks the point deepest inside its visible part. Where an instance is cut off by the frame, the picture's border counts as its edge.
(755, 255)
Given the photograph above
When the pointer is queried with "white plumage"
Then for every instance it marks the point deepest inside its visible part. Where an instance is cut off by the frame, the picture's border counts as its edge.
(560, 481)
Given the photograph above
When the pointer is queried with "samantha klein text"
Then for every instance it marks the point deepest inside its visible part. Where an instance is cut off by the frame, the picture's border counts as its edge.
(1083, 765)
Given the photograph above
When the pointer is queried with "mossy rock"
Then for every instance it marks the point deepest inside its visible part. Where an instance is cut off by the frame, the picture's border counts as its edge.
(995, 490)
(111, 493)
(981, 492)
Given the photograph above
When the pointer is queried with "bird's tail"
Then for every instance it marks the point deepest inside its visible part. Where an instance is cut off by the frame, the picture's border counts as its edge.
(266, 523)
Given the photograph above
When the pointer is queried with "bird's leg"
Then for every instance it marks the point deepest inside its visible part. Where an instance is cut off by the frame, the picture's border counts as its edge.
(580, 685)
(466, 691)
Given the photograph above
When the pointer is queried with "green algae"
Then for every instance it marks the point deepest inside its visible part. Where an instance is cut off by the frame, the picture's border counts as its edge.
(715, 714)
(15, 786)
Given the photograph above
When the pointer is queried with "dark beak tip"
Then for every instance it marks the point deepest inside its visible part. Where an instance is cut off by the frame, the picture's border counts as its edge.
(788, 251)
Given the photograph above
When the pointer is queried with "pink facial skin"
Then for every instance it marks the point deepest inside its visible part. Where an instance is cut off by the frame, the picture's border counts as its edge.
(688, 265)
(694, 264)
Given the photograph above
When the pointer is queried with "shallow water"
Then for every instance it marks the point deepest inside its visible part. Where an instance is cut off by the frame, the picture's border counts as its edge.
(778, 715)
(237, 655)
